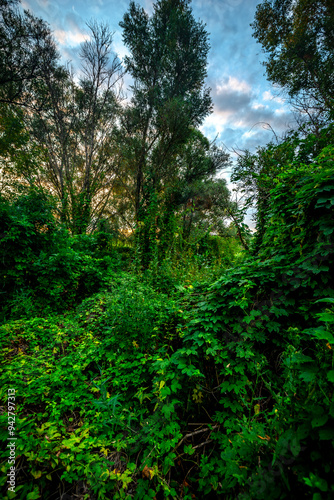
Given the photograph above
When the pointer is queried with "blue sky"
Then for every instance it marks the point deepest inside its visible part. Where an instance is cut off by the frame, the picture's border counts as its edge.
(242, 96)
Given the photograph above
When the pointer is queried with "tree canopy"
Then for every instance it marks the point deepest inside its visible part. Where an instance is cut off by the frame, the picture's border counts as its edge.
(168, 58)
(27, 53)
(298, 37)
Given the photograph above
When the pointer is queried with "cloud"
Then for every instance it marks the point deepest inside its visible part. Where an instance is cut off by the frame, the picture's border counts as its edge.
(257, 105)
(233, 100)
(231, 95)
(240, 116)
(268, 96)
(70, 38)
(118, 46)
(148, 6)
(227, 14)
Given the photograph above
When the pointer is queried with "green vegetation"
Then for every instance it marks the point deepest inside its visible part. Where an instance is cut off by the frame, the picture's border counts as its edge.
(184, 359)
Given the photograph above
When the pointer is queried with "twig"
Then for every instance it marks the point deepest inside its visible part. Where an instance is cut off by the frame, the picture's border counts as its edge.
(202, 444)
(199, 423)
(190, 434)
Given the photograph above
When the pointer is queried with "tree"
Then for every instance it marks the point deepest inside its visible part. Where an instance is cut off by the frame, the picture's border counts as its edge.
(298, 36)
(27, 53)
(205, 210)
(194, 169)
(254, 174)
(20, 155)
(73, 126)
(168, 57)
(212, 210)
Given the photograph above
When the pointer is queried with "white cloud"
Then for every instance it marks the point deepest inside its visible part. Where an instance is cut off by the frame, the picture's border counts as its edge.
(257, 105)
(118, 46)
(280, 111)
(232, 84)
(249, 134)
(70, 38)
(268, 96)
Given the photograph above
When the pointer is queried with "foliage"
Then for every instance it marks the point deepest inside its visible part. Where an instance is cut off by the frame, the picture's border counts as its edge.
(220, 389)
(40, 272)
(79, 154)
(135, 165)
(298, 38)
(257, 173)
(181, 367)
(164, 149)
(27, 53)
(192, 264)
(111, 347)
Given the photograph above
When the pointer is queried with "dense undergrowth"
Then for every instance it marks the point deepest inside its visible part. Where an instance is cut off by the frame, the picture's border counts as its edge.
(162, 386)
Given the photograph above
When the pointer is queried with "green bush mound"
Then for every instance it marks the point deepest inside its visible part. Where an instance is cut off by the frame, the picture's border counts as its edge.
(262, 339)
(43, 269)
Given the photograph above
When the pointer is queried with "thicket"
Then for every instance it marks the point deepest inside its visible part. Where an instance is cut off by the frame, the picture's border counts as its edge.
(43, 268)
(221, 390)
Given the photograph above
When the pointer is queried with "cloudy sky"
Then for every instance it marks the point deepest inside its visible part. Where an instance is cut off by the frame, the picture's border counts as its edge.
(244, 102)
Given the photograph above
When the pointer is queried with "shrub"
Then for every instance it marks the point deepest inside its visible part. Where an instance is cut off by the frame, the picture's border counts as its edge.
(40, 271)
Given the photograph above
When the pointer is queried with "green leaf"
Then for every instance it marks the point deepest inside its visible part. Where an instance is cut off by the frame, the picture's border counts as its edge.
(329, 300)
(328, 317)
(309, 375)
(33, 495)
(319, 421)
(188, 450)
(326, 434)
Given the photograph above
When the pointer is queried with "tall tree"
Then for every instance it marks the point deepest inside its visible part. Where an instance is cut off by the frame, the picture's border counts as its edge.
(168, 65)
(74, 127)
(27, 55)
(168, 58)
(298, 36)
(186, 185)
(212, 208)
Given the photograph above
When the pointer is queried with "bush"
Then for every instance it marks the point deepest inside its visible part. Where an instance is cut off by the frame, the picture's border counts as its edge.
(40, 271)
(258, 355)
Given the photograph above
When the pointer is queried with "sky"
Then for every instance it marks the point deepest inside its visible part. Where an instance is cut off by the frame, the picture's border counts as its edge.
(246, 105)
